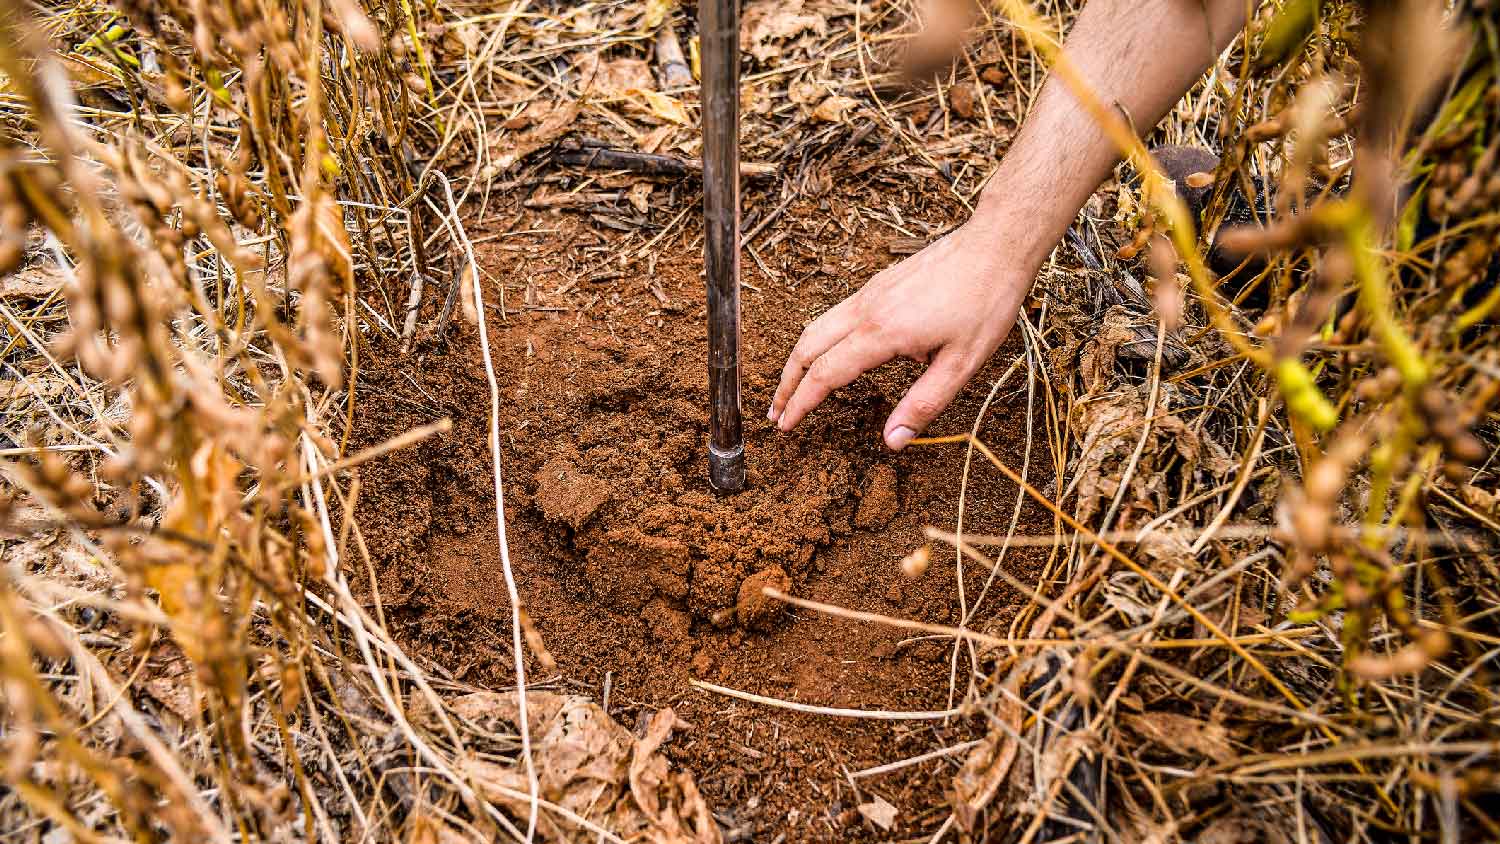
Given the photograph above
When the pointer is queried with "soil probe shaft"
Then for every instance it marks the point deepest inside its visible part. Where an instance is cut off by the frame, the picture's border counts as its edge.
(719, 36)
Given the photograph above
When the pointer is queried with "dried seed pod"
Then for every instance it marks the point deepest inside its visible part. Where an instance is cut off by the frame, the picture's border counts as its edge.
(12, 252)
(1467, 447)
(1411, 659)
(1265, 131)
(914, 565)
(1437, 202)
(1134, 247)
(534, 642)
(291, 688)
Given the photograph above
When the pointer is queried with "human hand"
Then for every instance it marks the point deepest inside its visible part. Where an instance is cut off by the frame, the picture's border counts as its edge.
(949, 306)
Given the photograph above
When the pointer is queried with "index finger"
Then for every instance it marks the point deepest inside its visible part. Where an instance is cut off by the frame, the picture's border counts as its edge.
(817, 338)
(857, 353)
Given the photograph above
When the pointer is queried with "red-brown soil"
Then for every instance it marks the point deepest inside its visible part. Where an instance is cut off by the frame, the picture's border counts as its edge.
(639, 579)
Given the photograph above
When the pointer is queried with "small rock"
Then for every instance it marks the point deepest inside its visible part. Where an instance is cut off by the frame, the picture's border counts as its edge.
(755, 609)
(993, 75)
(879, 504)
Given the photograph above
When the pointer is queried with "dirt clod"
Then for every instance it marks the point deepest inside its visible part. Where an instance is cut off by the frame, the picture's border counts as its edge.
(879, 504)
(961, 97)
(627, 568)
(638, 577)
(566, 495)
(754, 608)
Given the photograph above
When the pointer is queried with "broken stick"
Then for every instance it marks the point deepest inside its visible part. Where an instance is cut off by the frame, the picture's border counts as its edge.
(595, 157)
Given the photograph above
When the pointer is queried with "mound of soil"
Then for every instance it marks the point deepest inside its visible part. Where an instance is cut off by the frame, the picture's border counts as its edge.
(639, 579)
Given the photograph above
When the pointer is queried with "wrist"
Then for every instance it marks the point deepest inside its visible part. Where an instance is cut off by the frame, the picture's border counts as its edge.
(1020, 237)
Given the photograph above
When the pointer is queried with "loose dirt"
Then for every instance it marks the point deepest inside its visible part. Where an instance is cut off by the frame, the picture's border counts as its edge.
(638, 578)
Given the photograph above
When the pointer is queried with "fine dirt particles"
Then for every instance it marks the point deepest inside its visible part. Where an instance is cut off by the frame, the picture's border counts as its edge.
(638, 578)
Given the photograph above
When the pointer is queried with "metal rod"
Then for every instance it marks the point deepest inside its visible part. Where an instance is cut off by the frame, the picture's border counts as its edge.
(718, 34)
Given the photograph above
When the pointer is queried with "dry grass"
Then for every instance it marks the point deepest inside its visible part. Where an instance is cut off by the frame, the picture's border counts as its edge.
(1270, 608)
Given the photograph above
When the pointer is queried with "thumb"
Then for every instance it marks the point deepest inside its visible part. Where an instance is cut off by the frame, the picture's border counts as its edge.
(927, 398)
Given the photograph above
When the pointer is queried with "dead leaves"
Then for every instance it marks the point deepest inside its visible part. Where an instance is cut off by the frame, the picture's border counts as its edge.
(1109, 427)
(1181, 735)
(879, 812)
(962, 100)
(594, 768)
(656, 13)
(558, 118)
(616, 78)
(629, 81)
(1110, 430)
(1242, 828)
(766, 25)
(835, 109)
(32, 283)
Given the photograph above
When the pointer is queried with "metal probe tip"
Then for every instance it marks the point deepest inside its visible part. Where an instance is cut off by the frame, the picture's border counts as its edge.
(726, 470)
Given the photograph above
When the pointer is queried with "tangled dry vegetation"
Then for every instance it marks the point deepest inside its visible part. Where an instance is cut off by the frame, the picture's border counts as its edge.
(1270, 611)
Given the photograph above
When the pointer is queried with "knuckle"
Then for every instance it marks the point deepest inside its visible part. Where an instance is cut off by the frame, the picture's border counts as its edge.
(960, 363)
(799, 355)
(821, 373)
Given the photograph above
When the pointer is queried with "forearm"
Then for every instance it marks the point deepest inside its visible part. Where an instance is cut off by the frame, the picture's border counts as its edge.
(1139, 57)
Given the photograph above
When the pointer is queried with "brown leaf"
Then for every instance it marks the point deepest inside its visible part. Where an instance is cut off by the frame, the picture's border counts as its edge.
(31, 283)
(640, 196)
(834, 109)
(1060, 756)
(879, 812)
(961, 99)
(665, 107)
(617, 78)
(170, 680)
(1479, 499)
(1243, 829)
(512, 149)
(588, 763)
(1181, 734)
(657, 12)
(31, 388)
(647, 770)
(805, 92)
(631, 81)
(766, 23)
(653, 140)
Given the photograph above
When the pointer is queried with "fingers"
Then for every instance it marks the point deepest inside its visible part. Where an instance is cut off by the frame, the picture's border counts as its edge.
(928, 397)
(816, 339)
(846, 361)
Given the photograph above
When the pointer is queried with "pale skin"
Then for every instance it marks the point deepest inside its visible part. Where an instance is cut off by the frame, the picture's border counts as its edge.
(952, 304)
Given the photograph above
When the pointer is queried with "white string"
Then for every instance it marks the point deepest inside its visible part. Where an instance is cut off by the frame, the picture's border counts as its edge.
(533, 787)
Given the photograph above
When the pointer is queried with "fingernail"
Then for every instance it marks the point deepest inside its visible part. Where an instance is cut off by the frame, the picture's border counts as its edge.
(898, 437)
(771, 413)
